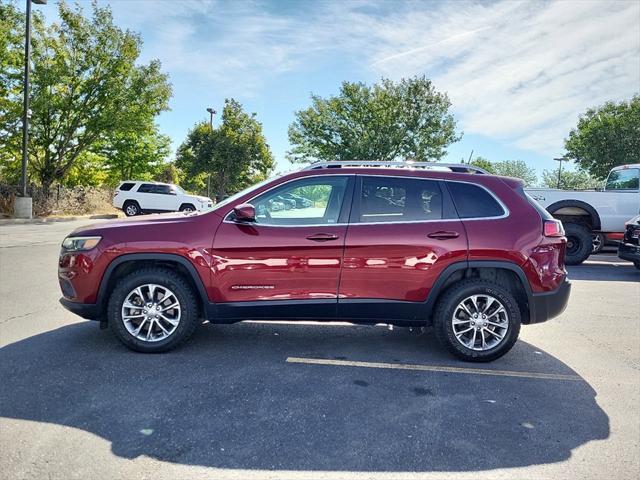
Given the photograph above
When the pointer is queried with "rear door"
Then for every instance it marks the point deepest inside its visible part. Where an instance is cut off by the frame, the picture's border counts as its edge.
(403, 232)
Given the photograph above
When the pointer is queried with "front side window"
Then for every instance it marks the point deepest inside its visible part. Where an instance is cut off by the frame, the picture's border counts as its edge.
(627, 179)
(473, 201)
(308, 201)
(392, 199)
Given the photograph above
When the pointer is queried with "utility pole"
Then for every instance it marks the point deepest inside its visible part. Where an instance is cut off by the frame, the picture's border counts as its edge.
(212, 112)
(23, 207)
(560, 159)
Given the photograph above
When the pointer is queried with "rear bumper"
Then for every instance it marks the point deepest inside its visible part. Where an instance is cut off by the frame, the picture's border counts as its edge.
(545, 306)
(629, 251)
(90, 311)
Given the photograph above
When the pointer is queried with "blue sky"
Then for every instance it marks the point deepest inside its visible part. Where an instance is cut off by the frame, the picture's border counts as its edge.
(518, 73)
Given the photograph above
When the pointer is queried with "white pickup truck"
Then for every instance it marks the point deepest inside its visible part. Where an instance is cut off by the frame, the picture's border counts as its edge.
(593, 215)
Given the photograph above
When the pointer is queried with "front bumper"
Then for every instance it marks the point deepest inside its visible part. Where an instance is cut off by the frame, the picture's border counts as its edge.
(545, 306)
(629, 251)
(90, 311)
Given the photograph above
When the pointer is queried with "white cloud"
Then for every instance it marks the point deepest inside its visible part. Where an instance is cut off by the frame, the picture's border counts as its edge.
(519, 72)
(525, 71)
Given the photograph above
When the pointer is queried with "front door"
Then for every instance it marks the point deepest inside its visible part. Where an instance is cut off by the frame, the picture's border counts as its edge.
(403, 233)
(289, 260)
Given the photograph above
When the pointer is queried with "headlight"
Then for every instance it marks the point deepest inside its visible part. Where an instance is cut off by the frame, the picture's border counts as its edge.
(79, 244)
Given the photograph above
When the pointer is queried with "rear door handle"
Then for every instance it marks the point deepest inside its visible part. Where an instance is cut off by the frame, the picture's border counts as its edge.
(443, 235)
(322, 237)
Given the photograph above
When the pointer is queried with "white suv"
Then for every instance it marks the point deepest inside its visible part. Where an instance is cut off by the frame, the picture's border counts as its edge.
(135, 198)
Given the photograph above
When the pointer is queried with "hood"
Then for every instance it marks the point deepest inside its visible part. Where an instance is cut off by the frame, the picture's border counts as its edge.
(155, 219)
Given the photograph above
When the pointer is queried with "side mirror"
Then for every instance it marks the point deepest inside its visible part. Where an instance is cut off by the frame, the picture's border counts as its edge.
(245, 213)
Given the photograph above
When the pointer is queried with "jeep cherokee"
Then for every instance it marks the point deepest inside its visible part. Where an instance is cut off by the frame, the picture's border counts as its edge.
(404, 244)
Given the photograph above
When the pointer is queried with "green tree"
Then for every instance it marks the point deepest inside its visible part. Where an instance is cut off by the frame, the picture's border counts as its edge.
(570, 179)
(483, 163)
(232, 156)
(134, 155)
(606, 137)
(88, 89)
(508, 168)
(517, 169)
(389, 120)
(169, 173)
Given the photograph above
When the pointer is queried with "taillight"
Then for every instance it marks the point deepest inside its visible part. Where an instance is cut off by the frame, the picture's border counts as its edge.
(553, 228)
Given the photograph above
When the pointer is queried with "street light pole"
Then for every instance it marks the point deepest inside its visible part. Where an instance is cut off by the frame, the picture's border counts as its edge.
(212, 112)
(560, 159)
(23, 206)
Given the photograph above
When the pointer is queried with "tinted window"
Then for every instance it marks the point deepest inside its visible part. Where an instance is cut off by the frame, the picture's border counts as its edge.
(392, 199)
(125, 187)
(473, 201)
(308, 201)
(146, 188)
(163, 189)
(626, 179)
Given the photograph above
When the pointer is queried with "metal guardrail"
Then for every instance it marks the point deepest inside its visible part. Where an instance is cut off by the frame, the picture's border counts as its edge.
(453, 167)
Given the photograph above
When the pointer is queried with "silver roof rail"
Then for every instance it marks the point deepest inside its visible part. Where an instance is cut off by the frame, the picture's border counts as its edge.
(454, 167)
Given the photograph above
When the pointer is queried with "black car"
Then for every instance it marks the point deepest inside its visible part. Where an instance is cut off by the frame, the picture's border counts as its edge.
(630, 247)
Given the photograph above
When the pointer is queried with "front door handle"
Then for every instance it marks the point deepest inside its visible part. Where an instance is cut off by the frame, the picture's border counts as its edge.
(322, 237)
(443, 235)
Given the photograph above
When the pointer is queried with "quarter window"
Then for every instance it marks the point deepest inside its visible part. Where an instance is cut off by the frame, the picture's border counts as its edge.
(308, 201)
(125, 187)
(473, 201)
(393, 199)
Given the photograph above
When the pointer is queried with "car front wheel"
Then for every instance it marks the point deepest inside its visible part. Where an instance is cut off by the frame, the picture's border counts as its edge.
(477, 320)
(153, 310)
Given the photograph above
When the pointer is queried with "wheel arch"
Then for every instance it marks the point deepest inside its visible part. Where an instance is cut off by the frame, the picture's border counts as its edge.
(565, 210)
(505, 274)
(127, 263)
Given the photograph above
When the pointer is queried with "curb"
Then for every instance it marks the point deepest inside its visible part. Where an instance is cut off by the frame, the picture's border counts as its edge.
(40, 220)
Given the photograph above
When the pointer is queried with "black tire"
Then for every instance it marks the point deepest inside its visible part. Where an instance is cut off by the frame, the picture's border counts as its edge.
(598, 240)
(446, 308)
(131, 208)
(637, 264)
(579, 243)
(187, 207)
(164, 277)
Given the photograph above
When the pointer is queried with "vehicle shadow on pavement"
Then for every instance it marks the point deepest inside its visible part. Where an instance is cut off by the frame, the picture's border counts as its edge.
(612, 272)
(228, 399)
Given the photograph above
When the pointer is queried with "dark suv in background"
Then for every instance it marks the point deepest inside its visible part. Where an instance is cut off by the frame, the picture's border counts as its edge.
(405, 244)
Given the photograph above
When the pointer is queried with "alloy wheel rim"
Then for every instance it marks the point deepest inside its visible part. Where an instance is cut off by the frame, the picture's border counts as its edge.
(131, 210)
(151, 312)
(597, 242)
(480, 322)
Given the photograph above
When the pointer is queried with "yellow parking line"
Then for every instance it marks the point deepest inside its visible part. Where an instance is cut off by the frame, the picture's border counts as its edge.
(434, 368)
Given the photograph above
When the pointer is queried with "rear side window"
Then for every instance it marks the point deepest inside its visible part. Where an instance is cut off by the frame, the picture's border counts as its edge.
(146, 188)
(473, 201)
(393, 199)
(125, 187)
(625, 179)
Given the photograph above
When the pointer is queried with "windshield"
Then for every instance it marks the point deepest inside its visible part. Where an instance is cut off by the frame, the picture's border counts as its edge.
(241, 193)
(180, 190)
(625, 179)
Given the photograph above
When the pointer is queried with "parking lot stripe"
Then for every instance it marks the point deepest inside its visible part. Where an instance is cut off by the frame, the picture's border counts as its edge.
(434, 368)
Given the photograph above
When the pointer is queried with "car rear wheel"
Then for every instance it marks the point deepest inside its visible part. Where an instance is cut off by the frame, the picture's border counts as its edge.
(131, 209)
(477, 320)
(187, 207)
(153, 310)
(579, 243)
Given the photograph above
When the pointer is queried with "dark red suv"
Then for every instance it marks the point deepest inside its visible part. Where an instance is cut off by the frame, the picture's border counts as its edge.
(466, 252)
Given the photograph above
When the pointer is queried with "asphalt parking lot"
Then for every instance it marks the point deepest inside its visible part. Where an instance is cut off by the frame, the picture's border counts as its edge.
(257, 401)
